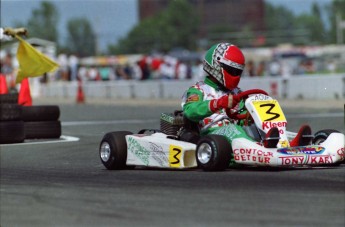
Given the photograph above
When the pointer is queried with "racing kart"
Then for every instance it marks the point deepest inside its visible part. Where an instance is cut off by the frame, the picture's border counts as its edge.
(179, 143)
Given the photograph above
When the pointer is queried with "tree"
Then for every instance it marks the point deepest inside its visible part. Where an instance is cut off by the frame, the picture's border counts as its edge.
(177, 26)
(43, 22)
(279, 23)
(81, 39)
(337, 8)
(314, 25)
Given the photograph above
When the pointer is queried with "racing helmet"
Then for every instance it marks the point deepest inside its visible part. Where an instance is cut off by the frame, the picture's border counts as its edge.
(224, 62)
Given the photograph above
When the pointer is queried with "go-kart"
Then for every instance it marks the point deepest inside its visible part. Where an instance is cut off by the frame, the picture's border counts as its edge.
(180, 144)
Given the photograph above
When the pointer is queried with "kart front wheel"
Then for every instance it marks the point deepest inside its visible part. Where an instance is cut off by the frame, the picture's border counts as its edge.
(213, 153)
(113, 150)
(322, 135)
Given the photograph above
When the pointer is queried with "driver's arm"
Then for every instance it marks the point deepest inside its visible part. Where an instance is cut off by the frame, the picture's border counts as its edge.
(195, 108)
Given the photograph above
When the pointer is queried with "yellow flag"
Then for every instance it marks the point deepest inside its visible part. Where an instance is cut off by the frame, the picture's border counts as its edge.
(32, 63)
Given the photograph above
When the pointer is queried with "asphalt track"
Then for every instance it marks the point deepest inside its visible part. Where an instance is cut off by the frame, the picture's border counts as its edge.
(65, 184)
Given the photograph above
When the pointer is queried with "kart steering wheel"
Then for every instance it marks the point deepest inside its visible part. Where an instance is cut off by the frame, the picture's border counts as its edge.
(244, 95)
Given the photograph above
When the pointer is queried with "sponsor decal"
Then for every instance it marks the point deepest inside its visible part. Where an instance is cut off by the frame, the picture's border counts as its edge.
(230, 131)
(167, 118)
(253, 155)
(341, 153)
(302, 160)
(269, 124)
(193, 98)
(158, 154)
(261, 97)
(301, 150)
(138, 150)
(175, 153)
(284, 143)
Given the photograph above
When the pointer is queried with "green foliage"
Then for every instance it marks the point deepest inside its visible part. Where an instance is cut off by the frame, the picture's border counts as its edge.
(177, 26)
(81, 37)
(284, 26)
(314, 25)
(43, 22)
(337, 8)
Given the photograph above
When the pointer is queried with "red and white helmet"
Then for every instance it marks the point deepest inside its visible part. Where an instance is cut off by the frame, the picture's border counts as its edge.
(225, 62)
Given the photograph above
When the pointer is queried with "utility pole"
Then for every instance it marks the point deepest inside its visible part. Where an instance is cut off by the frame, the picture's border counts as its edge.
(340, 25)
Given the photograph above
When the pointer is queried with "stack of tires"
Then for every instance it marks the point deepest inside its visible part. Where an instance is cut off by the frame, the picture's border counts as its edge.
(41, 122)
(18, 123)
(11, 122)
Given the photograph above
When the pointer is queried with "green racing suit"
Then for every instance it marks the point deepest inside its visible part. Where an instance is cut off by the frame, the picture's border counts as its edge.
(196, 107)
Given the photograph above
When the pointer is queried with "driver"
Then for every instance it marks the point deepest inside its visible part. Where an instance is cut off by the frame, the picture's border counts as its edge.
(218, 95)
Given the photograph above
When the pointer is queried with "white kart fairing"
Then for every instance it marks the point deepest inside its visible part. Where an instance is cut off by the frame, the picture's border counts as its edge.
(267, 113)
(329, 152)
(157, 150)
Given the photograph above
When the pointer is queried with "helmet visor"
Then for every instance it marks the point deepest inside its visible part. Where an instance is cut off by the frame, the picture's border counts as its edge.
(231, 70)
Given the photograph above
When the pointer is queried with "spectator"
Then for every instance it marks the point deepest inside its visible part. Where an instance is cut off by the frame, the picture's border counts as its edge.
(251, 68)
(260, 71)
(274, 68)
(73, 67)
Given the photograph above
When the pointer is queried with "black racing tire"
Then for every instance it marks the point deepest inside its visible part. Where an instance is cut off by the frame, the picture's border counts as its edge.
(11, 98)
(113, 150)
(213, 153)
(41, 113)
(11, 132)
(322, 135)
(10, 112)
(42, 129)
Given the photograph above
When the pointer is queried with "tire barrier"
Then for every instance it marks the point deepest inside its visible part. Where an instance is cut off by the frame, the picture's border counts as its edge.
(42, 129)
(11, 98)
(11, 122)
(40, 113)
(18, 123)
(12, 132)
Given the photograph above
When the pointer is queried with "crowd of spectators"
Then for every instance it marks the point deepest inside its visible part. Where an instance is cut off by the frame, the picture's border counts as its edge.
(146, 68)
(161, 68)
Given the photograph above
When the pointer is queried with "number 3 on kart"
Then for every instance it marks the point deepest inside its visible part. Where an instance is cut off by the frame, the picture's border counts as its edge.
(269, 110)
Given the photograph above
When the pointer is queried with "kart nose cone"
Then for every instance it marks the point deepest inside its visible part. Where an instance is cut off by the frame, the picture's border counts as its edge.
(105, 151)
(204, 153)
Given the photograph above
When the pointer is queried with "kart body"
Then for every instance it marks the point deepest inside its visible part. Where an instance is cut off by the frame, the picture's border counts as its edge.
(175, 144)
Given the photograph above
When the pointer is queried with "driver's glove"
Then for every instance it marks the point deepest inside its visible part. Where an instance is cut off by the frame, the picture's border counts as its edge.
(224, 102)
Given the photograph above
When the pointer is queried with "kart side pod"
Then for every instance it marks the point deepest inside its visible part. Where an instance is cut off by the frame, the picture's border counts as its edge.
(157, 150)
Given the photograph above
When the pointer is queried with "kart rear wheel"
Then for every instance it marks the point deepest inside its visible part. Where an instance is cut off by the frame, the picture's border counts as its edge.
(113, 150)
(213, 153)
(322, 135)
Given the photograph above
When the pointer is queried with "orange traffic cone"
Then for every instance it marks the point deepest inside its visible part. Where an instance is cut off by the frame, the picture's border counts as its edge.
(24, 97)
(80, 93)
(3, 85)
